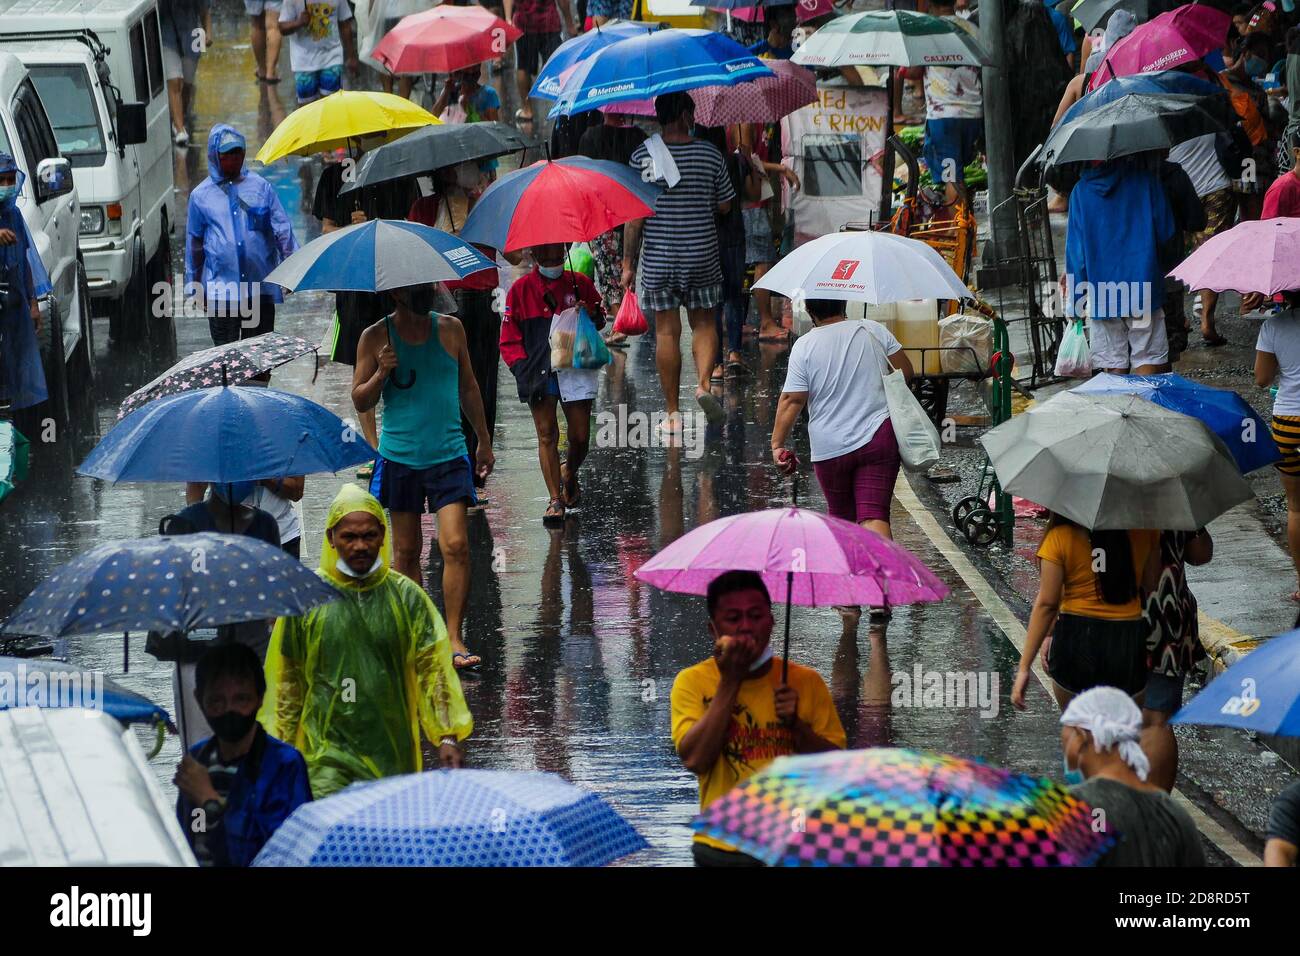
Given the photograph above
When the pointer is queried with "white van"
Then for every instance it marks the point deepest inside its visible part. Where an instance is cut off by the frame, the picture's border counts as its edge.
(97, 65)
(48, 203)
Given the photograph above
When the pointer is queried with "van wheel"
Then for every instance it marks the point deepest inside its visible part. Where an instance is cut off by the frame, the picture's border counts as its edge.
(162, 327)
(129, 318)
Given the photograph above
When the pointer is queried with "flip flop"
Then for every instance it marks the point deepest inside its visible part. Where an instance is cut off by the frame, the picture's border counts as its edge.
(713, 410)
(737, 369)
(554, 515)
(1215, 341)
(457, 655)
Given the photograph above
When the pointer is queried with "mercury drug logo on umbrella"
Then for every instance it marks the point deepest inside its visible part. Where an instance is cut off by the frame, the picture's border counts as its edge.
(844, 271)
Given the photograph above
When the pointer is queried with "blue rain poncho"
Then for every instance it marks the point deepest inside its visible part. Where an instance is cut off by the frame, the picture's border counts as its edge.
(241, 228)
(22, 377)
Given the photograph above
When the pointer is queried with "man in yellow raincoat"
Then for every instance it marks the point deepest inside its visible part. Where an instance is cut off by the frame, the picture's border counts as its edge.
(352, 683)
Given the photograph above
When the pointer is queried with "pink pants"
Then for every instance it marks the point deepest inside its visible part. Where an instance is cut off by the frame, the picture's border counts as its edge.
(858, 485)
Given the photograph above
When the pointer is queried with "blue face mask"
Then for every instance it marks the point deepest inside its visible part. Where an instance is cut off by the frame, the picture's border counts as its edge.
(7, 195)
(551, 272)
(1073, 777)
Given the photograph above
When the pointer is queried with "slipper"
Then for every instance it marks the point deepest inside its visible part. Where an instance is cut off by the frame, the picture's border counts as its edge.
(1214, 342)
(737, 369)
(474, 661)
(554, 515)
(717, 375)
(713, 410)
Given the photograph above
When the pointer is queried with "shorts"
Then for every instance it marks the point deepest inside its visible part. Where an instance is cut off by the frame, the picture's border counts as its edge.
(406, 490)
(1128, 343)
(1163, 693)
(577, 384)
(664, 300)
(1220, 209)
(313, 84)
(859, 485)
(256, 7)
(178, 65)
(758, 237)
(532, 50)
(1089, 652)
(951, 139)
(1286, 435)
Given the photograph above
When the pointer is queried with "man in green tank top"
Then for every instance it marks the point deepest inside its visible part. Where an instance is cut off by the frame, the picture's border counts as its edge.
(418, 362)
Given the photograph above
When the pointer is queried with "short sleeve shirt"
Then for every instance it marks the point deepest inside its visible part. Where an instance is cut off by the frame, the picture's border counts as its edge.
(317, 46)
(954, 92)
(1070, 547)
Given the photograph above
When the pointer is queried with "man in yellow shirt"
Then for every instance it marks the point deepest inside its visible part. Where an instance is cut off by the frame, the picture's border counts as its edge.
(732, 715)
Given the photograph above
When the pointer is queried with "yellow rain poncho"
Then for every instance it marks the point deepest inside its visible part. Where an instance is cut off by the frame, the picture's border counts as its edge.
(352, 683)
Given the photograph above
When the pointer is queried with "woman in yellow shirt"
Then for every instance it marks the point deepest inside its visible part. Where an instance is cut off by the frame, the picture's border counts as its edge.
(1090, 590)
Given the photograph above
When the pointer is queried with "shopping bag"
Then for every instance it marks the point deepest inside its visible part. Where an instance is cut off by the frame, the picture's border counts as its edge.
(1073, 357)
(918, 439)
(630, 319)
(966, 344)
(589, 349)
(564, 332)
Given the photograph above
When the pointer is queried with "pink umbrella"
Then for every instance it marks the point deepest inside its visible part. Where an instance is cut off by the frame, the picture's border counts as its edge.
(1254, 256)
(1171, 39)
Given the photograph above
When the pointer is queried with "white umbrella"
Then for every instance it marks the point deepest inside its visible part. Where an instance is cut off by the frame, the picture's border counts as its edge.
(890, 38)
(874, 267)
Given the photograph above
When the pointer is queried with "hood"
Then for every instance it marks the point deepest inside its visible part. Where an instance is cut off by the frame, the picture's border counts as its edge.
(1108, 178)
(352, 498)
(218, 132)
(9, 165)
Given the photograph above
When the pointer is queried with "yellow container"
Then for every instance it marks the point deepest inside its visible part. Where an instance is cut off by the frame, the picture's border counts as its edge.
(917, 328)
(886, 315)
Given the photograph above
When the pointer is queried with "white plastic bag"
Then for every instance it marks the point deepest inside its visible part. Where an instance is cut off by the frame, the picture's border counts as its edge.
(970, 341)
(918, 439)
(1073, 357)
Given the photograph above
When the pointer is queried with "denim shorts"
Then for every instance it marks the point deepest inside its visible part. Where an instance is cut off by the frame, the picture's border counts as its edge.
(951, 139)
(1164, 693)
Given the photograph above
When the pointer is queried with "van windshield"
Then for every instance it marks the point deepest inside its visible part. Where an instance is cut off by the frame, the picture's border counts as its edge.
(70, 105)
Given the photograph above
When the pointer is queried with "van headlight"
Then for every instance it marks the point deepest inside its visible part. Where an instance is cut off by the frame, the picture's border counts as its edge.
(92, 220)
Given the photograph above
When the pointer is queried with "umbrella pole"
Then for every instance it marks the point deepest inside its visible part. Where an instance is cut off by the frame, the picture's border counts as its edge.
(887, 159)
(789, 594)
(180, 703)
(126, 652)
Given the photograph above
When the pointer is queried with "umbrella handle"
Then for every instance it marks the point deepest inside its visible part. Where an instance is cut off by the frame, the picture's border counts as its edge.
(410, 379)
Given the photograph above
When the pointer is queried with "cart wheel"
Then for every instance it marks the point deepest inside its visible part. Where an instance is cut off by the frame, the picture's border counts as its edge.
(974, 519)
(932, 394)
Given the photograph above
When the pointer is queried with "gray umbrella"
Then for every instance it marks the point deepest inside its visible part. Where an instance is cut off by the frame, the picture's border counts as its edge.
(433, 147)
(1134, 123)
(1116, 461)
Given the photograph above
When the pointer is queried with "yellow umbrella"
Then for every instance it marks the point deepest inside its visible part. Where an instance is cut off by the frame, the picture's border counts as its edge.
(341, 117)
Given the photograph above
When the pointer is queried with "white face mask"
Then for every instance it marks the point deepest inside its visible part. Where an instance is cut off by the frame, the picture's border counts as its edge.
(762, 658)
(551, 272)
(343, 568)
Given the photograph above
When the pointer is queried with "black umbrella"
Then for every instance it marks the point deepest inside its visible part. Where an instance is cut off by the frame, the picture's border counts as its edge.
(1135, 123)
(1094, 13)
(433, 147)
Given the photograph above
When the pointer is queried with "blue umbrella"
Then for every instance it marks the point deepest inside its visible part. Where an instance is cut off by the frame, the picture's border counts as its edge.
(1260, 692)
(226, 434)
(1161, 83)
(1224, 412)
(50, 684)
(454, 818)
(175, 583)
(377, 255)
(576, 49)
(642, 67)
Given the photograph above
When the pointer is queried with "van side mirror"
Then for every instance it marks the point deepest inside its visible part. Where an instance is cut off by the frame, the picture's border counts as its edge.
(53, 178)
(132, 124)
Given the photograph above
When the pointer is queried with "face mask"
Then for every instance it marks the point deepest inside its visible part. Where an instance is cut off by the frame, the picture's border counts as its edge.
(232, 726)
(551, 272)
(344, 568)
(1073, 776)
(762, 658)
(8, 194)
(235, 492)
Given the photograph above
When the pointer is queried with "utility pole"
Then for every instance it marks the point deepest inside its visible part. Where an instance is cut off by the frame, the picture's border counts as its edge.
(998, 141)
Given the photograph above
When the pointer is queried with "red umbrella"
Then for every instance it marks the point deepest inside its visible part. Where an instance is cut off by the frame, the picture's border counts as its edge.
(444, 40)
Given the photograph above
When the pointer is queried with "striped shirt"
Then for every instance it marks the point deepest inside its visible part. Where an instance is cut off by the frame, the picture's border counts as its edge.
(679, 249)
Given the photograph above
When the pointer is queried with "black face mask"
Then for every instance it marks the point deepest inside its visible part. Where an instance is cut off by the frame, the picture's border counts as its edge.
(232, 726)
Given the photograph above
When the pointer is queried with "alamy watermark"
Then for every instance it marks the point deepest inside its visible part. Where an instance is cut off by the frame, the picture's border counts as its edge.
(946, 689)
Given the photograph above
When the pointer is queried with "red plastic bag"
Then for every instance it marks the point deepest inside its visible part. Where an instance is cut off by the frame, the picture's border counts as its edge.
(630, 319)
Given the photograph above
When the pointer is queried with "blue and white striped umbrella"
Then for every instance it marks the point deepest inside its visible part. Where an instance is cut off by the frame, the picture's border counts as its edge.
(454, 818)
(377, 255)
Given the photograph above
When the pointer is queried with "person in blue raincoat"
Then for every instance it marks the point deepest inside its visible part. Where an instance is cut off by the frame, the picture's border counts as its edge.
(22, 279)
(237, 233)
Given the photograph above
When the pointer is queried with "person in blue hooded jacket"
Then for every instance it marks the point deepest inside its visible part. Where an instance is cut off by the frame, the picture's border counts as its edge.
(239, 785)
(1120, 219)
(22, 279)
(237, 233)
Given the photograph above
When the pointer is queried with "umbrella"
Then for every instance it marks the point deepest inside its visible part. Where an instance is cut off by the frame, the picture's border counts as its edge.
(576, 49)
(1260, 692)
(1171, 39)
(1170, 83)
(1134, 123)
(1116, 461)
(237, 362)
(565, 200)
(891, 38)
(1094, 14)
(434, 147)
(894, 807)
(335, 121)
(804, 558)
(1261, 255)
(54, 685)
(643, 67)
(15, 452)
(454, 818)
(875, 267)
(764, 100)
(225, 435)
(444, 40)
(1226, 413)
(376, 255)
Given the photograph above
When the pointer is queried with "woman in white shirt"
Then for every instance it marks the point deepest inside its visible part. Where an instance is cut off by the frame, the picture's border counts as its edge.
(1277, 352)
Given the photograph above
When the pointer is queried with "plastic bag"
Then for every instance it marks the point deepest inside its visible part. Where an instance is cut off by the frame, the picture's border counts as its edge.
(630, 319)
(918, 439)
(1073, 358)
(564, 331)
(968, 341)
(581, 260)
(589, 349)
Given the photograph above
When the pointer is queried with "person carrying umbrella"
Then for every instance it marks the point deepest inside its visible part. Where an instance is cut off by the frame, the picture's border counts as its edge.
(353, 683)
(732, 714)
(1277, 355)
(236, 232)
(22, 278)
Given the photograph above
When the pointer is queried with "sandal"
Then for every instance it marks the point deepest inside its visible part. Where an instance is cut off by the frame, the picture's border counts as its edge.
(737, 369)
(554, 515)
(474, 661)
(712, 408)
(1214, 341)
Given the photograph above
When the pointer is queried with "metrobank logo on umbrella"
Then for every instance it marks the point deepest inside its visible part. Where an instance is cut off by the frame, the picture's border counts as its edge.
(844, 271)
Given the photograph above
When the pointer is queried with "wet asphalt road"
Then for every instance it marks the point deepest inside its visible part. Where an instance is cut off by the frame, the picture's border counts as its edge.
(579, 657)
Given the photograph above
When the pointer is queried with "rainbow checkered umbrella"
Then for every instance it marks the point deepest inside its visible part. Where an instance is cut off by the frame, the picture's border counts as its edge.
(894, 807)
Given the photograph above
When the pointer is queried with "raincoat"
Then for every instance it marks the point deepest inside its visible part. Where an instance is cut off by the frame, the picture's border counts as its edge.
(242, 227)
(22, 376)
(352, 683)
